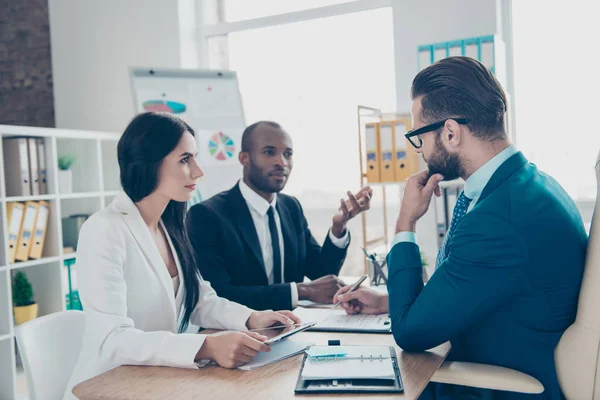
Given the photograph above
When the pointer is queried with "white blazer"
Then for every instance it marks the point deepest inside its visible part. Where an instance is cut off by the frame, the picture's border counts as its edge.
(131, 311)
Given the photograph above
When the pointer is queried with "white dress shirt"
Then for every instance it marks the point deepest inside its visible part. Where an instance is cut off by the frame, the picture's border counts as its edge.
(258, 209)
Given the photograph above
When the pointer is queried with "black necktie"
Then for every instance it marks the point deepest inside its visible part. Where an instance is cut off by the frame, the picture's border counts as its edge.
(275, 244)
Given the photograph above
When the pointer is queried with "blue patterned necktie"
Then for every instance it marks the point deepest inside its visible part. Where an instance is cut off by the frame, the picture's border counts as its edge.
(460, 210)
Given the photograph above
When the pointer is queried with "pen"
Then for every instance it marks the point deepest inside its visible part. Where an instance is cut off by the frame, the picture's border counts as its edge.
(353, 288)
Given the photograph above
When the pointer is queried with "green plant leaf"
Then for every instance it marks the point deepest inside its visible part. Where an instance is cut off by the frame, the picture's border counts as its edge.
(66, 161)
(21, 290)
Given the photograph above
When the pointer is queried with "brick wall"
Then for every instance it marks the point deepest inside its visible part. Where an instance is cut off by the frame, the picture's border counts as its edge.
(25, 64)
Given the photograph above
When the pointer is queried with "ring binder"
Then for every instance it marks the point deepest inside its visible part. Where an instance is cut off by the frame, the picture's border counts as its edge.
(342, 358)
(345, 372)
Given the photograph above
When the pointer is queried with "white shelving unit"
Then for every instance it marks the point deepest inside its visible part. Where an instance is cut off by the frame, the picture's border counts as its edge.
(95, 184)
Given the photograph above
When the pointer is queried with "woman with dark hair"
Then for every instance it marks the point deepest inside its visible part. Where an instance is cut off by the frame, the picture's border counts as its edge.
(137, 277)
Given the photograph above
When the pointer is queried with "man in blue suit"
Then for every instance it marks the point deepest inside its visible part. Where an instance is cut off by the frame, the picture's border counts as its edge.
(508, 273)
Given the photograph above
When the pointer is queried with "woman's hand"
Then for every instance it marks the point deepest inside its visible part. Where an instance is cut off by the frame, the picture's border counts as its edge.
(264, 319)
(230, 349)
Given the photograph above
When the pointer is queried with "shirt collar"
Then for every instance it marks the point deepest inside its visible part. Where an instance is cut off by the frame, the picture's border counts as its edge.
(476, 182)
(254, 200)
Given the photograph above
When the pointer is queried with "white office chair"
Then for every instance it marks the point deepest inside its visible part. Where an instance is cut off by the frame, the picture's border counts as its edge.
(49, 349)
(577, 355)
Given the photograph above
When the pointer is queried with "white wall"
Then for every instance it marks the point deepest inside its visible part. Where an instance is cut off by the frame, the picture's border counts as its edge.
(93, 43)
(419, 22)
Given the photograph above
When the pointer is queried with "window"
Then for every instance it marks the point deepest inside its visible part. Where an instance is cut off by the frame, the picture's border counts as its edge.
(310, 78)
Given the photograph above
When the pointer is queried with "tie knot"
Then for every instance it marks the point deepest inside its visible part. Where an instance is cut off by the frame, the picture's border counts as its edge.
(464, 196)
(271, 211)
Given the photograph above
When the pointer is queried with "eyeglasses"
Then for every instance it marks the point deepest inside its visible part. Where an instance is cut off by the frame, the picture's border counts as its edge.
(418, 142)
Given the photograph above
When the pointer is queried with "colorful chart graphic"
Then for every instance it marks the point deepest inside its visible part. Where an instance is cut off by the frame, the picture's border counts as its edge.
(221, 146)
(164, 106)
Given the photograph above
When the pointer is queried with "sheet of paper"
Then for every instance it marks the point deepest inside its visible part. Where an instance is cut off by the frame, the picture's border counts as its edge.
(312, 304)
(279, 351)
(338, 319)
(376, 363)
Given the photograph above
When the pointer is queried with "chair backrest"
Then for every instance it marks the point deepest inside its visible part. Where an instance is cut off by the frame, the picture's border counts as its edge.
(49, 348)
(577, 355)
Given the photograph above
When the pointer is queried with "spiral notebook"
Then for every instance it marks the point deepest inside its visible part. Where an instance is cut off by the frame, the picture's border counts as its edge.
(349, 369)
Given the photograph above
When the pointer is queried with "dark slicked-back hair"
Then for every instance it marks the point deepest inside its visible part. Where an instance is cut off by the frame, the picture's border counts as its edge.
(247, 135)
(462, 87)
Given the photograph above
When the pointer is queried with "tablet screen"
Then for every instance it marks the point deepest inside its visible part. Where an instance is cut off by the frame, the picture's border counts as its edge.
(276, 334)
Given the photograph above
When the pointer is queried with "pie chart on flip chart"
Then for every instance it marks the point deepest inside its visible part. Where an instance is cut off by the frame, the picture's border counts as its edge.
(221, 146)
(172, 107)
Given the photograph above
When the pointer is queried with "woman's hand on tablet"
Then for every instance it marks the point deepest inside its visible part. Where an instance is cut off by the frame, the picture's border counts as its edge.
(264, 319)
(231, 349)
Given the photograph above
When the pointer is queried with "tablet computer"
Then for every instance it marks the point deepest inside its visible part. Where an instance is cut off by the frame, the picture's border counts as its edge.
(278, 333)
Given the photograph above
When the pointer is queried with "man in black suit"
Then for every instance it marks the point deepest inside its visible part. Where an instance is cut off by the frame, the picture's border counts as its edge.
(253, 244)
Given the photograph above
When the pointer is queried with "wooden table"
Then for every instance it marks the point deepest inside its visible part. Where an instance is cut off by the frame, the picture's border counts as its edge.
(276, 381)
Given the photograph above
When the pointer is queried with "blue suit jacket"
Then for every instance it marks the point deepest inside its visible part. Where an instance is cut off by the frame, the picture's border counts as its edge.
(510, 284)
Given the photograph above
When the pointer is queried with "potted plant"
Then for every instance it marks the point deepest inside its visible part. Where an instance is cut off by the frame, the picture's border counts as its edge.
(24, 307)
(65, 175)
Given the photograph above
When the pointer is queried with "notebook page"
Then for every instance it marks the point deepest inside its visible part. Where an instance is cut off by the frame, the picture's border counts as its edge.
(350, 367)
(337, 319)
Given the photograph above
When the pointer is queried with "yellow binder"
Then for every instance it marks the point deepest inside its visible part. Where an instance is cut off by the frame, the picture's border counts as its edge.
(39, 232)
(15, 212)
(373, 158)
(406, 161)
(386, 147)
(24, 242)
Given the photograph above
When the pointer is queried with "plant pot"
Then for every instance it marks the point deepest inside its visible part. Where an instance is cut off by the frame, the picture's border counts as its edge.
(25, 313)
(65, 181)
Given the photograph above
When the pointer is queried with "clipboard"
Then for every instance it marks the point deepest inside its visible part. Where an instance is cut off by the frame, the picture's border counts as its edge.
(353, 384)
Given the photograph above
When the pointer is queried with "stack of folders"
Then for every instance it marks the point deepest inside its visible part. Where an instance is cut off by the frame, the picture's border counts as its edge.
(349, 369)
(27, 223)
(390, 157)
(25, 166)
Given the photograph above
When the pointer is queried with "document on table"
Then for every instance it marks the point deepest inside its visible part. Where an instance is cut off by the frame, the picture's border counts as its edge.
(336, 320)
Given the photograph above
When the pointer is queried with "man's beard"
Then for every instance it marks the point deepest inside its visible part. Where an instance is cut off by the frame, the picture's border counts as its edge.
(444, 163)
(262, 182)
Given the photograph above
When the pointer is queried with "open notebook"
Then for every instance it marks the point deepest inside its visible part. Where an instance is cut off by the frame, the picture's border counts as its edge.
(350, 369)
(336, 320)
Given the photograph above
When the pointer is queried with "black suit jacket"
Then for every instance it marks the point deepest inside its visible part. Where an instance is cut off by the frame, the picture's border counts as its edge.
(229, 256)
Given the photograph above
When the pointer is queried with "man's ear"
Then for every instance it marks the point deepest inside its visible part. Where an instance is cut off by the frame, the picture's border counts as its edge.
(244, 158)
(452, 133)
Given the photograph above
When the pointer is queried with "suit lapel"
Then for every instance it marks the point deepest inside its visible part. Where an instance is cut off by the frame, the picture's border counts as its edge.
(141, 234)
(245, 224)
(179, 297)
(505, 170)
(289, 244)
